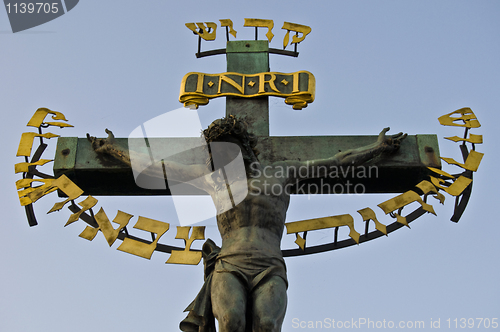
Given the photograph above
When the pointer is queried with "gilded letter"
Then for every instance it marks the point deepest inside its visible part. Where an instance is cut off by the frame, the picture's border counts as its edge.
(406, 198)
(142, 249)
(256, 22)
(296, 82)
(187, 256)
(86, 204)
(199, 84)
(62, 183)
(26, 183)
(474, 139)
(228, 23)
(105, 226)
(456, 188)
(304, 29)
(369, 214)
(24, 167)
(230, 81)
(207, 33)
(38, 118)
(472, 162)
(322, 223)
(468, 119)
(27, 142)
(262, 82)
(428, 188)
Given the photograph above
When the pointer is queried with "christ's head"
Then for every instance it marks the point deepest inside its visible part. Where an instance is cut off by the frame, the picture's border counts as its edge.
(230, 130)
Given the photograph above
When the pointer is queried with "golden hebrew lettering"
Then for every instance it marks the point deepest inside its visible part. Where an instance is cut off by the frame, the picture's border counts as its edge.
(38, 118)
(456, 188)
(205, 32)
(27, 142)
(62, 183)
(467, 119)
(27, 184)
(105, 226)
(297, 88)
(474, 139)
(259, 23)
(228, 23)
(86, 204)
(428, 188)
(304, 29)
(406, 198)
(24, 167)
(66, 186)
(369, 214)
(322, 223)
(142, 249)
(471, 163)
(187, 256)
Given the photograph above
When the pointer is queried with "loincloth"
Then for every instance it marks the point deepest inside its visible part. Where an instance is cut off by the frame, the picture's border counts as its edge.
(251, 268)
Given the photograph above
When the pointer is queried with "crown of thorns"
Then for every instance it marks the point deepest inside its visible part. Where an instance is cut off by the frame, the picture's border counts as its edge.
(232, 126)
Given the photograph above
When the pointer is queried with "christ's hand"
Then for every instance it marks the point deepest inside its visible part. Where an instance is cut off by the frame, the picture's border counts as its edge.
(390, 143)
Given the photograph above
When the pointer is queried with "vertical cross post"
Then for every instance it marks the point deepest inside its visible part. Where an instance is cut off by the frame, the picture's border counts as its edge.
(249, 57)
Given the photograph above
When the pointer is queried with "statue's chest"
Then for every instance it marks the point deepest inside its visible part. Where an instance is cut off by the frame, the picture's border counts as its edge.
(266, 185)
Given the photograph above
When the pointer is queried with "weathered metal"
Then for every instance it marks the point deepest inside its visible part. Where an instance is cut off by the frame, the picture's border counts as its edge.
(249, 57)
(98, 175)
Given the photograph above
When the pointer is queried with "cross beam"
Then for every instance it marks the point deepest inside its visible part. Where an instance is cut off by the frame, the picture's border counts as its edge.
(97, 175)
(396, 173)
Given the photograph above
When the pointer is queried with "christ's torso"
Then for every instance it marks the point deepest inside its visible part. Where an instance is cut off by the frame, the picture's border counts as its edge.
(257, 222)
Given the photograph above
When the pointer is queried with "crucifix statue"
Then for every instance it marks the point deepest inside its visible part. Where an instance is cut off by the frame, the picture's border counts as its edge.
(245, 279)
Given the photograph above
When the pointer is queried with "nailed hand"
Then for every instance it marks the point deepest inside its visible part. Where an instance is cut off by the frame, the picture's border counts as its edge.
(390, 143)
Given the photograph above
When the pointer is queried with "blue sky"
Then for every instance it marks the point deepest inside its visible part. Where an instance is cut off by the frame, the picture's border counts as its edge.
(119, 64)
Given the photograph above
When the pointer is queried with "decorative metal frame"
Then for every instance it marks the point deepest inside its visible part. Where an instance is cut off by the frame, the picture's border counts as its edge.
(458, 185)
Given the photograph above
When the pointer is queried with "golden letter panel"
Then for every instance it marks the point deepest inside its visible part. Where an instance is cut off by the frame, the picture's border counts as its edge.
(369, 214)
(142, 249)
(297, 88)
(228, 23)
(86, 204)
(105, 226)
(304, 29)
(468, 119)
(474, 139)
(260, 23)
(205, 34)
(38, 118)
(24, 167)
(322, 223)
(472, 162)
(187, 256)
(27, 142)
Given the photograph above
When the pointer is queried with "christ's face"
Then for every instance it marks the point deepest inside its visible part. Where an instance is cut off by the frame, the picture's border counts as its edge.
(226, 149)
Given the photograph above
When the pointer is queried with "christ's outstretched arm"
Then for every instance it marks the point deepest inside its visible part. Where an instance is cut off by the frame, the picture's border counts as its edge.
(175, 171)
(352, 157)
